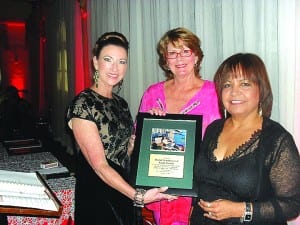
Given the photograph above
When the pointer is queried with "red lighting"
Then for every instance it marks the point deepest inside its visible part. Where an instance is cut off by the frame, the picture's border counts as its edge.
(11, 24)
(15, 57)
(84, 14)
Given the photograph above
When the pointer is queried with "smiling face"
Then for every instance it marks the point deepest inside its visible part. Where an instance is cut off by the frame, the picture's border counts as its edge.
(244, 75)
(183, 64)
(240, 96)
(111, 64)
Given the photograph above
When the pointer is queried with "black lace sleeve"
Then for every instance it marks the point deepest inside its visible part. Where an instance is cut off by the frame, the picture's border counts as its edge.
(283, 165)
(80, 107)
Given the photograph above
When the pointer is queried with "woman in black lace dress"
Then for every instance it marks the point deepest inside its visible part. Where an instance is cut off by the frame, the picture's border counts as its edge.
(102, 126)
(248, 169)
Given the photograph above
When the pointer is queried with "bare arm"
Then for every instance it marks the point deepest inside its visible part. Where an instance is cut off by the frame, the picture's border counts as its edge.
(87, 137)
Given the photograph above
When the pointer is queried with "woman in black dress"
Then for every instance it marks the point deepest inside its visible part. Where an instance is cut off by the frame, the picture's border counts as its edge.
(102, 126)
(248, 168)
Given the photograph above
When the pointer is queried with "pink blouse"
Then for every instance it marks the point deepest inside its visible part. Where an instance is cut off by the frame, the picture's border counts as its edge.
(204, 102)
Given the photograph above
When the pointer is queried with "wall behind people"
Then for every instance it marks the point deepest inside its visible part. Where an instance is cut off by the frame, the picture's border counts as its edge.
(266, 28)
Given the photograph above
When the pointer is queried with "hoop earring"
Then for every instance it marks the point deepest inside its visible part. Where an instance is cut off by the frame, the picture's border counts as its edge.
(96, 77)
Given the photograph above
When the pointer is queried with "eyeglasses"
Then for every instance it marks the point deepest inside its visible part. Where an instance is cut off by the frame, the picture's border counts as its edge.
(183, 53)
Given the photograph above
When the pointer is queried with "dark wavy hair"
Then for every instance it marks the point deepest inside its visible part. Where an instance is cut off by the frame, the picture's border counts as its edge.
(251, 67)
(174, 37)
(110, 38)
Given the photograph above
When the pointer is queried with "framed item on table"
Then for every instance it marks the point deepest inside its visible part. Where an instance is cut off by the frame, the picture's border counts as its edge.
(27, 194)
(164, 152)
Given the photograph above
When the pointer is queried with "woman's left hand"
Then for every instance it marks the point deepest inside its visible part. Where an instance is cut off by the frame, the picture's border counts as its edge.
(222, 209)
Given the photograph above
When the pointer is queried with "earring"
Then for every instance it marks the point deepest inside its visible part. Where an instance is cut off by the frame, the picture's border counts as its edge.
(225, 113)
(260, 111)
(96, 77)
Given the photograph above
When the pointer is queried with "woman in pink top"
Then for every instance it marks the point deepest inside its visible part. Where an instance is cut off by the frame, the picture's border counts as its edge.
(183, 92)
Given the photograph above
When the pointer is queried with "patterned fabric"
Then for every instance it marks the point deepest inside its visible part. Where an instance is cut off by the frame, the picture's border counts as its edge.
(265, 170)
(115, 125)
(113, 119)
(204, 102)
(63, 188)
(64, 191)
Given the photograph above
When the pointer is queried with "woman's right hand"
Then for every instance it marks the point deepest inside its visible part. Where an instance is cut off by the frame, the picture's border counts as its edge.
(156, 194)
(157, 112)
(221, 209)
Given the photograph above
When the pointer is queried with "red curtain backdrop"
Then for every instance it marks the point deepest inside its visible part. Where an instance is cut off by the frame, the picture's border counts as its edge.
(15, 57)
(82, 77)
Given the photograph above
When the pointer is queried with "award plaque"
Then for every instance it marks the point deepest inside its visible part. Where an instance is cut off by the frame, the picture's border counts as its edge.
(165, 150)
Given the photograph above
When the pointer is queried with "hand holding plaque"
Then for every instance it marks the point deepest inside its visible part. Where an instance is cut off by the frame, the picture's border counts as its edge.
(164, 152)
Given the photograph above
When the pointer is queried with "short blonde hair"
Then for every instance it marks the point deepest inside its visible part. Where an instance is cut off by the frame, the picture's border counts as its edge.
(174, 37)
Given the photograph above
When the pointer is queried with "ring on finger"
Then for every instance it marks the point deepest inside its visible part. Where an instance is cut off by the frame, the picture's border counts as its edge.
(208, 205)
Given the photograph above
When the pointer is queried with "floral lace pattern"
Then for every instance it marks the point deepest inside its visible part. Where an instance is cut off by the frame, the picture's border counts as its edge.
(245, 148)
(113, 119)
(263, 170)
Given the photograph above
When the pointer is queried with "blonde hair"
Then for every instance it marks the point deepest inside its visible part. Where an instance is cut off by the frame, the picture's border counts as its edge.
(175, 37)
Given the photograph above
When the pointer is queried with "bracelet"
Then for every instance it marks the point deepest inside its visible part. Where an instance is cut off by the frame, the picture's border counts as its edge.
(247, 217)
(138, 200)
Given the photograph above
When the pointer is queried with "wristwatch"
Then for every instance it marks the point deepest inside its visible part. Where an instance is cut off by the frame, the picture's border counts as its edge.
(248, 213)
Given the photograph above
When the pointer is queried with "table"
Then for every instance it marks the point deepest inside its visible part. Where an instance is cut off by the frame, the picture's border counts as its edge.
(64, 190)
(64, 187)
